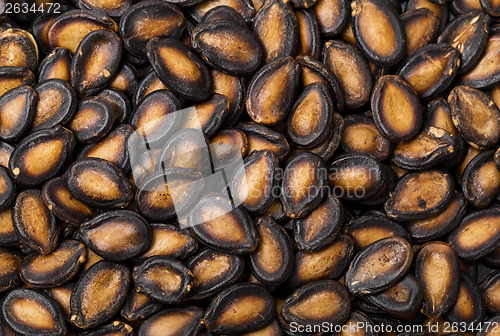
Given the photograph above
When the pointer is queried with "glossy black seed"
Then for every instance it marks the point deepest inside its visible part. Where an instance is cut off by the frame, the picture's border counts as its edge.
(117, 235)
(56, 104)
(17, 110)
(99, 294)
(99, 183)
(185, 73)
(251, 307)
(29, 312)
(41, 155)
(228, 47)
(163, 279)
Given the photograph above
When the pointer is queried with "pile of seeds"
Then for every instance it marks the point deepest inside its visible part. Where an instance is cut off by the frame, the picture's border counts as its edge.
(368, 194)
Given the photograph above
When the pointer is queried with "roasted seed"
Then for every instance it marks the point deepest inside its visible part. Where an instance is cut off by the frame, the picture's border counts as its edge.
(470, 153)
(253, 184)
(332, 15)
(62, 204)
(112, 8)
(271, 92)
(320, 227)
(31, 313)
(420, 195)
(234, 89)
(431, 69)
(12, 77)
(356, 177)
(209, 115)
(276, 16)
(430, 147)
(481, 180)
(404, 297)
(469, 307)
(421, 27)
(355, 80)
(96, 61)
(163, 279)
(228, 47)
(34, 223)
(477, 235)
(8, 235)
(41, 155)
(465, 6)
(368, 229)
(438, 114)
(40, 29)
(379, 266)
(318, 302)
(69, 29)
(490, 288)
(260, 137)
(476, 116)
(212, 271)
(152, 118)
(439, 225)
(362, 136)
(139, 306)
(146, 20)
(271, 263)
(117, 235)
(17, 109)
(56, 65)
(119, 102)
(227, 145)
(378, 31)
(170, 241)
(215, 223)
(148, 84)
(186, 149)
(175, 321)
(99, 183)
(309, 33)
(487, 70)
(311, 116)
(184, 73)
(437, 271)
(56, 104)
(467, 33)
(327, 263)
(244, 7)
(155, 196)
(112, 148)
(396, 109)
(224, 13)
(99, 294)
(240, 308)
(125, 80)
(55, 268)
(18, 48)
(10, 262)
(302, 186)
